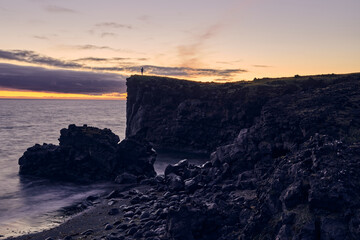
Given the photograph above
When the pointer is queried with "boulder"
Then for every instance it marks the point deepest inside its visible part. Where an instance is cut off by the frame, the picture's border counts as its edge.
(136, 157)
(177, 168)
(185, 223)
(174, 182)
(126, 178)
(87, 154)
(179, 224)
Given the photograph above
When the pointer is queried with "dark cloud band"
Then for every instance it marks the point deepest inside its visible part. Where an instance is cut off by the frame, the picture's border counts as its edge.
(60, 81)
(32, 57)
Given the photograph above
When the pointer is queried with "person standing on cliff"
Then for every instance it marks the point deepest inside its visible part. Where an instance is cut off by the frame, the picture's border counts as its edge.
(142, 71)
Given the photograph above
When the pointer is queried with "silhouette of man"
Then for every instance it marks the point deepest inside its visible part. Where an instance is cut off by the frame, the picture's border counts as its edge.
(142, 71)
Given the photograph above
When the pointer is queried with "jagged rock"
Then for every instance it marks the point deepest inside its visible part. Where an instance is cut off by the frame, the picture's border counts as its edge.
(114, 194)
(179, 114)
(88, 154)
(191, 185)
(182, 169)
(136, 158)
(197, 223)
(87, 232)
(126, 178)
(295, 194)
(108, 227)
(177, 168)
(179, 225)
(174, 182)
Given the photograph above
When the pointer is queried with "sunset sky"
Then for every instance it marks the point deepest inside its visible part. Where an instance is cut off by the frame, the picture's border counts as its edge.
(87, 48)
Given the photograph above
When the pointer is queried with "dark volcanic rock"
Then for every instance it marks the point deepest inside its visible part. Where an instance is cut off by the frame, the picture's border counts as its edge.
(313, 190)
(285, 159)
(179, 114)
(189, 224)
(179, 225)
(88, 154)
(126, 178)
(136, 157)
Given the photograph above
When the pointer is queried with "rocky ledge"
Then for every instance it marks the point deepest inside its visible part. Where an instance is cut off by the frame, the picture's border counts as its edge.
(88, 154)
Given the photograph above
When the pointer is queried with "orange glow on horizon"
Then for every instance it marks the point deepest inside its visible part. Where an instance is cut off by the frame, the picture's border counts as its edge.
(50, 95)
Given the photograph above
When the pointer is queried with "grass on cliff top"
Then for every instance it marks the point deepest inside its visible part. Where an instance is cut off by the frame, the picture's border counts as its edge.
(295, 80)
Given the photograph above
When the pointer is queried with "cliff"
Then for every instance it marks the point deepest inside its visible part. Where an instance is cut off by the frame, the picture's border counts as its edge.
(285, 159)
(185, 115)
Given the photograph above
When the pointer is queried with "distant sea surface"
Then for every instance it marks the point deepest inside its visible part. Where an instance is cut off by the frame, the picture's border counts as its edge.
(28, 205)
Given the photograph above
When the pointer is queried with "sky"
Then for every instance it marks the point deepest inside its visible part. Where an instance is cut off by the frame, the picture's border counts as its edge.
(87, 48)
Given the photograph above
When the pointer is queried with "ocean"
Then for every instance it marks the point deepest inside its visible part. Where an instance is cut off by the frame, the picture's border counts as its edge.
(30, 205)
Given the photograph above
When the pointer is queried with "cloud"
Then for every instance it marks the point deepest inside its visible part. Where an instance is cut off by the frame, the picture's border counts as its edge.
(118, 64)
(118, 60)
(57, 9)
(95, 47)
(108, 34)
(261, 66)
(91, 59)
(144, 18)
(229, 62)
(190, 54)
(91, 47)
(32, 57)
(40, 37)
(186, 71)
(60, 81)
(113, 25)
(45, 37)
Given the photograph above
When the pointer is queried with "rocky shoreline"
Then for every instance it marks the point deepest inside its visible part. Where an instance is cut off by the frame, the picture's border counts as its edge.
(289, 172)
(300, 196)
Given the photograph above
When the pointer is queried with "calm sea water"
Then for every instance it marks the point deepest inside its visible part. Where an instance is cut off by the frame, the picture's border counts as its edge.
(28, 205)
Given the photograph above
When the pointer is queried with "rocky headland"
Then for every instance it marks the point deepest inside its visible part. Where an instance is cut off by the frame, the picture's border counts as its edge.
(284, 162)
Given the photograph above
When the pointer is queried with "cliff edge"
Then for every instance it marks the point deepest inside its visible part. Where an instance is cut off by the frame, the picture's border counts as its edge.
(193, 116)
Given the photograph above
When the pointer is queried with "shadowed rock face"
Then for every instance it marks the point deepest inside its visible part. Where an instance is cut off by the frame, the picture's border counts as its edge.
(88, 154)
(179, 114)
(290, 172)
(288, 121)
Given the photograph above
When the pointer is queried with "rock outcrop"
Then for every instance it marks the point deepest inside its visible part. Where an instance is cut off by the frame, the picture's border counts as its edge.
(87, 154)
(186, 115)
(312, 193)
(288, 173)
